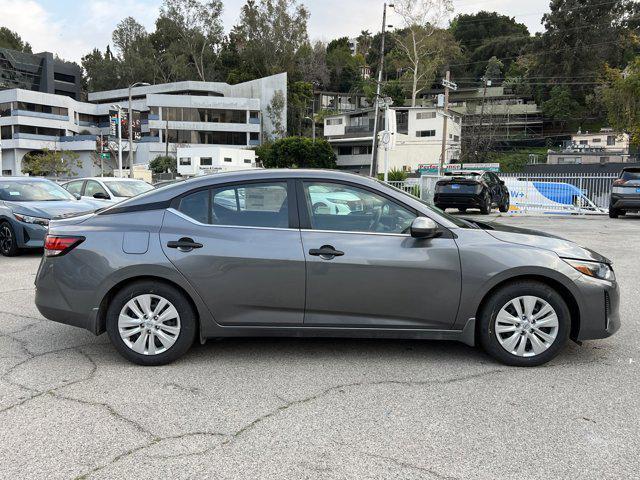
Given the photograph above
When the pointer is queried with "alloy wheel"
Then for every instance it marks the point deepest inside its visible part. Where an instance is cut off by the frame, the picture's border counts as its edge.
(6, 239)
(149, 324)
(526, 326)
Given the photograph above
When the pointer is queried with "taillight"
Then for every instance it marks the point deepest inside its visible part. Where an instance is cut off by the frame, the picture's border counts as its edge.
(55, 246)
(619, 182)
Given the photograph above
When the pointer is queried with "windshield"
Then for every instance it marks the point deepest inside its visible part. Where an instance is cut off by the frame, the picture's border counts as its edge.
(121, 188)
(33, 191)
(630, 175)
(459, 222)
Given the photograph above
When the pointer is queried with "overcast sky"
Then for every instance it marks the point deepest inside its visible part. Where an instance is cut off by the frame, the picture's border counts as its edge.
(72, 28)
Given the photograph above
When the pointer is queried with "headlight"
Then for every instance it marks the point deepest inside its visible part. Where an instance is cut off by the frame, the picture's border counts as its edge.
(599, 270)
(35, 220)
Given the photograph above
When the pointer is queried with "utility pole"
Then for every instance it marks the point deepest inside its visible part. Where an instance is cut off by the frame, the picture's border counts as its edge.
(166, 138)
(448, 84)
(120, 141)
(374, 153)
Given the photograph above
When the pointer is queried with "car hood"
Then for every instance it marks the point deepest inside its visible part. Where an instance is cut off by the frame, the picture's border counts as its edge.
(54, 209)
(533, 238)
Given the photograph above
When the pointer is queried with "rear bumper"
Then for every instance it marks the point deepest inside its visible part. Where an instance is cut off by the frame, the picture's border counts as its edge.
(625, 202)
(457, 200)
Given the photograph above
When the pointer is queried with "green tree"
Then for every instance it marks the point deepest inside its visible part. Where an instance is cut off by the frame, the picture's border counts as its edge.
(275, 110)
(10, 39)
(297, 152)
(298, 106)
(621, 98)
(198, 30)
(100, 70)
(344, 68)
(51, 163)
(561, 107)
(163, 164)
(135, 53)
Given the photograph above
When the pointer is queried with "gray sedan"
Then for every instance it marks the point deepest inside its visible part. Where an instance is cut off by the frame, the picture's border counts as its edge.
(27, 205)
(246, 254)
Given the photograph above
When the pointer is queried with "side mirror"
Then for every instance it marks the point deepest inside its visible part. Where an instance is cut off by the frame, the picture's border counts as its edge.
(424, 227)
(101, 196)
(77, 196)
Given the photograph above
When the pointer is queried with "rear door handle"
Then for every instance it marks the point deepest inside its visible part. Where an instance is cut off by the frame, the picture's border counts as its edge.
(185, 244)
(325, 251)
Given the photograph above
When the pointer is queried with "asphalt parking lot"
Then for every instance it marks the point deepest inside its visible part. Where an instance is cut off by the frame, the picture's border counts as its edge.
(71, 407)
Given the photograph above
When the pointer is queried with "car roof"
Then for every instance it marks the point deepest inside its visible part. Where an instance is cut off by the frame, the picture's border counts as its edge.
(105, 179)
(24, 178)
(465, 172)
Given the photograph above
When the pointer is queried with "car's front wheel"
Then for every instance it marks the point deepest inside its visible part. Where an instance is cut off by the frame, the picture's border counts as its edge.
(524, 324)
(8, 243)
(151, 323)
(504, 206)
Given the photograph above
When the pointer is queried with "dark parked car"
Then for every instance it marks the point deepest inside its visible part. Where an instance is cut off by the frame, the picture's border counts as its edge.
(625, 194)
(27, 205)
(175, 264)
(471, 189)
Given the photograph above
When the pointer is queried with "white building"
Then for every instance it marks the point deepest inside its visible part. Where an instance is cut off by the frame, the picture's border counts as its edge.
(418, 138)
(203, 160)
(606, 139)
(171, 115)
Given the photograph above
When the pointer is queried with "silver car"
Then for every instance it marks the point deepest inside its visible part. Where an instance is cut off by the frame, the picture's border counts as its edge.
(246, 254)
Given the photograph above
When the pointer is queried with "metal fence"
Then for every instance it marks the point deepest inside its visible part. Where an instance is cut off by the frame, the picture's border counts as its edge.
(538, 192)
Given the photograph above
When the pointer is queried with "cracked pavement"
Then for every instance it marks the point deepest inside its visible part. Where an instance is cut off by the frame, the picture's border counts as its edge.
(71, 407)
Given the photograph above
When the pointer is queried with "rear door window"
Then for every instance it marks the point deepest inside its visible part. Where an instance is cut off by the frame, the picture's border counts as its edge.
(243, 205)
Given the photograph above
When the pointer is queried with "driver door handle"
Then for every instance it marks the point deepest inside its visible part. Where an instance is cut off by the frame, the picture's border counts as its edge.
(325, 251)
(185, 244)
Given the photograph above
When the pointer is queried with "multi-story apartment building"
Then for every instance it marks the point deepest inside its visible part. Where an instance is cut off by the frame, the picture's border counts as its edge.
(602, 147)
(39, 72)
(171, 115)
(419, 132)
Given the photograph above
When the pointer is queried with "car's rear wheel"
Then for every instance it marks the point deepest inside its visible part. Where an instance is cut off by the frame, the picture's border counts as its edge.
(613, 213)
(504, 206)
(524, 324)
(8, 242)
(151, 323)
(485, 207)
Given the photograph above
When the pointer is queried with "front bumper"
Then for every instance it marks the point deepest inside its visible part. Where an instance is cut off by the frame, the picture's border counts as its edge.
(624, 201)
(599, 308)
(29, 235)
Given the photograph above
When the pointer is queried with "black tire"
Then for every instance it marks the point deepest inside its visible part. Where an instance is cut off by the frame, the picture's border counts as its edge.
(504, 206)
(441, 207)
(486, 331)
(613, 213)
(188, 322)
(8, 242)
(463, 210)
(485, 208)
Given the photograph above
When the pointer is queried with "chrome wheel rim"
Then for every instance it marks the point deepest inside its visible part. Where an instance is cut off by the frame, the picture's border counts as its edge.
(149, 324)
(6, 239)
(526, 326)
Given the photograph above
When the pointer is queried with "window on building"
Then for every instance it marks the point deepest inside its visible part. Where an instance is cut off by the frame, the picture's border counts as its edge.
(362, 150)
(254, 136)
(228, 159)
(185, 161)
(247, 160)
(5, 132)
(596, 140)
(334, 121)
(206, 161)
(584, 142)
(37, 108)
(63, 77)
(425, 115)
(254, 115)
(426, 133)
(456, 138)
(345, 150)
(611, 140)
(5, 109)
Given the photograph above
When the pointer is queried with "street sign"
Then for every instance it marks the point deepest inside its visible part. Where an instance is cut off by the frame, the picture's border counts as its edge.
(105, 156)
(449, 84)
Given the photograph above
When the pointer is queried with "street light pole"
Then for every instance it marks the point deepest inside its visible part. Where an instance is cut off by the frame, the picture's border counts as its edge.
(131, 154)
(120, 140)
